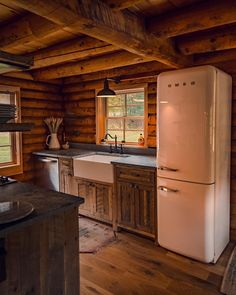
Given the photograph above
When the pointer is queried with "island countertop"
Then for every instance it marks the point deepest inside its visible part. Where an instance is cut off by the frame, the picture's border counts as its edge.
(45, 202)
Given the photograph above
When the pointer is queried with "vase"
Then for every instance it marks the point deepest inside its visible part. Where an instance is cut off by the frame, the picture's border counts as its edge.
(52, 142)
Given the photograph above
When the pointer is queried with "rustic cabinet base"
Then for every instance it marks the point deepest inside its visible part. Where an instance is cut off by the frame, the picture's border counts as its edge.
(135, 199)
(43, 258)
(97, 199)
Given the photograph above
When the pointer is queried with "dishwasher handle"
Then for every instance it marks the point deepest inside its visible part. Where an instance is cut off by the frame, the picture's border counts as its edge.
(45, 160)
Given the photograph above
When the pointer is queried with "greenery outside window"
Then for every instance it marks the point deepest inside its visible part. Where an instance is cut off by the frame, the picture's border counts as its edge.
(123, 116)
(10, 142)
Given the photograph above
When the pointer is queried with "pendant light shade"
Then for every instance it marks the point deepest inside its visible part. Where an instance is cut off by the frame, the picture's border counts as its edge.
(106, 91)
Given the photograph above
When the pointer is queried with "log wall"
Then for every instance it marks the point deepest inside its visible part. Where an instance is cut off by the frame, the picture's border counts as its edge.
(38, 101)
(79, 99)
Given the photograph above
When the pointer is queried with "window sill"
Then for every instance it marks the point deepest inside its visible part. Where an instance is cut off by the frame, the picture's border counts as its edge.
(11, 170)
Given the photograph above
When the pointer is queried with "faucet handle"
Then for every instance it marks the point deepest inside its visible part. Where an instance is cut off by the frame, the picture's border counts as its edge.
(111, 148)
(121, 149)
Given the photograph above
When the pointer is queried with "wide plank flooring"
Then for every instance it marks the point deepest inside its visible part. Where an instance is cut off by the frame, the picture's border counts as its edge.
(133, 265)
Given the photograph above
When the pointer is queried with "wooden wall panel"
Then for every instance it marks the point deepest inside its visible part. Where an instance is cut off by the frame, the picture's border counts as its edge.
(79, 99)
(38, 101)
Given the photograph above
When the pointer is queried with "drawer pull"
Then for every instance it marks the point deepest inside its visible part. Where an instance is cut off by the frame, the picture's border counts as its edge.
(163, 168)
(166, 189)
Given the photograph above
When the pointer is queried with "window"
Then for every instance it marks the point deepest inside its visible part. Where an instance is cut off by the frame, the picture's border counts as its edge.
(10, 142)
(123, 116)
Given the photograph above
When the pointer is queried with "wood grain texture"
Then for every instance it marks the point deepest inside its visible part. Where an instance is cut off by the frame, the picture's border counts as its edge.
(80, 99)
(108, 61)
(119, 28)
(43, 258)
(229, 280)
(202, 16)
(134, 265)
(38, 101)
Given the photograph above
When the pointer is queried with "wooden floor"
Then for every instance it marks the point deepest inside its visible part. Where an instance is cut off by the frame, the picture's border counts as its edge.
(135, 266)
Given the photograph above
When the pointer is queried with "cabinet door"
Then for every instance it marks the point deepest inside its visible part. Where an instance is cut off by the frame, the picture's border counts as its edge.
(125, 201)
(86, 190)
(144, 208)
(103, 202)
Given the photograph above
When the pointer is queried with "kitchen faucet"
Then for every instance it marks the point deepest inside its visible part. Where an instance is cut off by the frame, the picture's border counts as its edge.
(115, 138)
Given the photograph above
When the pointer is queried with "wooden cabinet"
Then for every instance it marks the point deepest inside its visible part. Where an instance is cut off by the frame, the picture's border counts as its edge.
(97, 199)
(136, 199)
(125, 204)
(67, 182)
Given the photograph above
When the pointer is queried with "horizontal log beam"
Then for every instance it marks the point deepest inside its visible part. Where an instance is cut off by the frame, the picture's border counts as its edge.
(212, 40)
(28, 29)
(122, 4)
(215, 57)
(202, 16)
(124, 30)
(109, 61)
(134, 71)
(72, 50)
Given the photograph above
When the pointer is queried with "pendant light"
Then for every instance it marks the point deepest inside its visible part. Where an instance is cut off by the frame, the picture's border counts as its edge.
(106, 91)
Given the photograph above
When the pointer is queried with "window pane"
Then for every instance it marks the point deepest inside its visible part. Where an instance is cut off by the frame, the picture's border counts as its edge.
(119, 100)
(116, 112)
(5, 98)
(119, 135)
(135, 98)
(134, 124)
(137, 110)
(115, 124)
(5, 154)
(5, 138)
(132, 136)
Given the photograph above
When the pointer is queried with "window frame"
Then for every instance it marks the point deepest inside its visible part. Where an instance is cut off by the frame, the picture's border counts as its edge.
(101, 114)
(16, 165)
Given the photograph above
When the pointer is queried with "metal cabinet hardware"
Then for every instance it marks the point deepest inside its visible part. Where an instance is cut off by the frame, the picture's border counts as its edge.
(166, 189)
(163, 168)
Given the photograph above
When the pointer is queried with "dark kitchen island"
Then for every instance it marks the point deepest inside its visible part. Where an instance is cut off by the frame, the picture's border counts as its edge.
(40, 253)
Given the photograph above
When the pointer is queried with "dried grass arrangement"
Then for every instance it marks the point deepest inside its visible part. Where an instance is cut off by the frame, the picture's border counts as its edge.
(53, 124)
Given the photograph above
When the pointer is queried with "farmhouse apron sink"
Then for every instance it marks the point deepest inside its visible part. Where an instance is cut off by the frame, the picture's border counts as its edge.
(96, 167)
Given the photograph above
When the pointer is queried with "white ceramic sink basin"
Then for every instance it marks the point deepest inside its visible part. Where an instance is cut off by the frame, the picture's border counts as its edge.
(95, 167)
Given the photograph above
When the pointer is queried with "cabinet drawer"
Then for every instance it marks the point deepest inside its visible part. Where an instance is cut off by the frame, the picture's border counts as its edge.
(137, 175)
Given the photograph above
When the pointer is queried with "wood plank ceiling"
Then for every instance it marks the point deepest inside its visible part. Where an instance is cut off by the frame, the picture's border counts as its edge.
(69, 38)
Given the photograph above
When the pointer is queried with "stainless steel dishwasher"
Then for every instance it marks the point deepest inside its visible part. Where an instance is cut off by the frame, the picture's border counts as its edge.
(47, 172)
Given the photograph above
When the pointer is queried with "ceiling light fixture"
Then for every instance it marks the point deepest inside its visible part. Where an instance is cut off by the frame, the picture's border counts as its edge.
(106, 91)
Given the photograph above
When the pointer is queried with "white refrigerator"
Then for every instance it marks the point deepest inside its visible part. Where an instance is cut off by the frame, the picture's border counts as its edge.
(193, 161)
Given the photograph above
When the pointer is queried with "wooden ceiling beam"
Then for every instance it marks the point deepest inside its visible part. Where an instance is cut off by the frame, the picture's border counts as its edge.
(122, 4)
(202, 16)
(109, 61)
(215, 57)
(26, 30)
(213, 40)
(71, 50)
(140, 70)
(122, 29)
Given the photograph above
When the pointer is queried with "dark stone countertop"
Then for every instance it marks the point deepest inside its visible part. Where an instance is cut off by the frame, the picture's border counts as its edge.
(70, 153)
(135, 160)
(46, 203)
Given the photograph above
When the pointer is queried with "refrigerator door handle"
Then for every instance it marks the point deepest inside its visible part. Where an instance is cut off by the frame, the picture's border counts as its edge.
(167, 169)
(166, 189)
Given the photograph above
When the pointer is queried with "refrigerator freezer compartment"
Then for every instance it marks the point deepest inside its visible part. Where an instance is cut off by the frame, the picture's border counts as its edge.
(186, 218)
